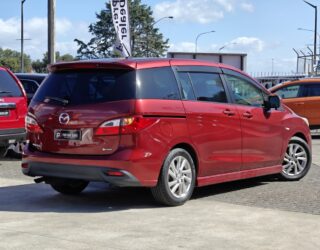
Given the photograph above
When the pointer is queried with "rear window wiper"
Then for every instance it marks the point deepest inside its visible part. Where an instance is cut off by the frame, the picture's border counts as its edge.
(9, 93)
(58, 99)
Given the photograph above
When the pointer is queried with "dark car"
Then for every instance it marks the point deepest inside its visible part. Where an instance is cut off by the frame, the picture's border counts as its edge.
(31, 82)
(167, 124)
(13, 110)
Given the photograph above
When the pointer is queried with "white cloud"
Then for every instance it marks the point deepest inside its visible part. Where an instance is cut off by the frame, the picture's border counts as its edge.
(247, 7)
(36, 30)
(205, 11)
(246, 44)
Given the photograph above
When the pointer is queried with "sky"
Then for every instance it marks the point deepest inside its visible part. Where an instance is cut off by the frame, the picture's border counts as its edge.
(265, 30)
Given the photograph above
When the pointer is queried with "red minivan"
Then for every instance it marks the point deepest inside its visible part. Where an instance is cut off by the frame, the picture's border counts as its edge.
(167, 124)
(13, 110)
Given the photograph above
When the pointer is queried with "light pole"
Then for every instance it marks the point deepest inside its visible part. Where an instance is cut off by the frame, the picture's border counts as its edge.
(152, 25)
(315, 33)
(203, 33)
(168, 17)
(226, 45)
(22, 38)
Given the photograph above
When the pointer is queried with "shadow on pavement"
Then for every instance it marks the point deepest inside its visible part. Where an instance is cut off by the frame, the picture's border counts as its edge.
(98, 197)
(227, 187)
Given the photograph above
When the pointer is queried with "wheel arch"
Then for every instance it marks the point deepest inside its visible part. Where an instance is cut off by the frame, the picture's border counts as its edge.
(190, 149)
(301, 136)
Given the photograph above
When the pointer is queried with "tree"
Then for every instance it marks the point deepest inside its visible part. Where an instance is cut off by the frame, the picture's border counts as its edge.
(146, 40)
(40, 66)
(11, 59)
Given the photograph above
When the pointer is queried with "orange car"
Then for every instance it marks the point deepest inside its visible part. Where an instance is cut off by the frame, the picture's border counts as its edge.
(303, 97)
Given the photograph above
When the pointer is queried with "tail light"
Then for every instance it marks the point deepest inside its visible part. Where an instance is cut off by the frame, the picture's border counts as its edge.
(128, 125)
(32, 126)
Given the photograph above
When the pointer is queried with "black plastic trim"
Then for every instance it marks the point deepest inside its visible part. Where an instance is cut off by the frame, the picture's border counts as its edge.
(87, 173)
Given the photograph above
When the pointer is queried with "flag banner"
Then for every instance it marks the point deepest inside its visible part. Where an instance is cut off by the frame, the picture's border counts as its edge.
(120, 18)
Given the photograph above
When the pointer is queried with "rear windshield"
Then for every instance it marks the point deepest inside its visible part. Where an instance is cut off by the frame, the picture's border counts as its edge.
(8, 86)
(87, 86)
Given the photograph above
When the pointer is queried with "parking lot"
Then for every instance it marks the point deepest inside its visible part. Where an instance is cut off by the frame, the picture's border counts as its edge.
(262, 213)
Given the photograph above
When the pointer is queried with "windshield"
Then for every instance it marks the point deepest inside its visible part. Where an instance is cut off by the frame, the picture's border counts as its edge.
(75, 87)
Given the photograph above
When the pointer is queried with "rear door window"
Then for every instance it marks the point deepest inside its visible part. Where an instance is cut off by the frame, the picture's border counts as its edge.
(157, 83)
(77, 87)
(8, 86)
(311, 90)
(30, 86)
(208, 87)
(186, 85)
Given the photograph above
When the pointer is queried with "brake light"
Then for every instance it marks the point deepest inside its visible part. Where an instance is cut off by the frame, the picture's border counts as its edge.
(32, 126)
(127, 125)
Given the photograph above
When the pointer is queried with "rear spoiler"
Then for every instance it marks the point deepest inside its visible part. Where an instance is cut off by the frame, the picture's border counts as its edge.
(94, 64)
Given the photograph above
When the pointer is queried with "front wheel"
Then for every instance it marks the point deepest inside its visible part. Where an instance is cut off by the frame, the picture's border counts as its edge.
(177, 179)
(297, 160)
(68, 186)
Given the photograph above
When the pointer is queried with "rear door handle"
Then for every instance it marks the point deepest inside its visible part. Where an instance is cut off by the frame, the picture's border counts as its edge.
(300, 103)
(229, 112)
(247, 115)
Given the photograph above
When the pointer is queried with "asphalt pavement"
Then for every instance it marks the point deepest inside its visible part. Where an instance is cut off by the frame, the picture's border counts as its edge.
(261, 213)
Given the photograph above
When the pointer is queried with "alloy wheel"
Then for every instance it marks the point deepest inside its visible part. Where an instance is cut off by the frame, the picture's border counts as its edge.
(179, 177)
(295, 160)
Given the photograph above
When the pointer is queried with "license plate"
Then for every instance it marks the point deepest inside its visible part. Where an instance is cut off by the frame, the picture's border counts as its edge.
(67, 135)
(4, 113)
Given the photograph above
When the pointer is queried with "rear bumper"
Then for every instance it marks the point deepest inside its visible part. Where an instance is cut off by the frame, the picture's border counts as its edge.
(8, 136)
(87, 173)
(136, 169)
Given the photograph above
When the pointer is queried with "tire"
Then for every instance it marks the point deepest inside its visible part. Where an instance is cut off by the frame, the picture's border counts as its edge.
(177, 179)
(3, 151)
(68, 186)
(297, 160)
(15, 150)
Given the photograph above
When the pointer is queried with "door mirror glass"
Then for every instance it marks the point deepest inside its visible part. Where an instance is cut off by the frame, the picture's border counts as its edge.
(273, 102)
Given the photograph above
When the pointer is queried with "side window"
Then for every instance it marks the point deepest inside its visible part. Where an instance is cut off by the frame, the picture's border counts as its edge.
(29, 86)
(292, 91)
(312, 89)
(187, 90)
(208, 87)
(244, 92)
(157, 83)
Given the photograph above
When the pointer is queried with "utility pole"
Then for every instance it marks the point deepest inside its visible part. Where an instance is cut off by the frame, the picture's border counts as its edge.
(51, 31)
(22, 39)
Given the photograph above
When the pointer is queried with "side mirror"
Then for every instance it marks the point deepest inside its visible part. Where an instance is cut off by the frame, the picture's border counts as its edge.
(273, 102)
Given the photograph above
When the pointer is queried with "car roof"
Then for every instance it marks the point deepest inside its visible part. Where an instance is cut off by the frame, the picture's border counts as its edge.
(137, 63)
(295, 82)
